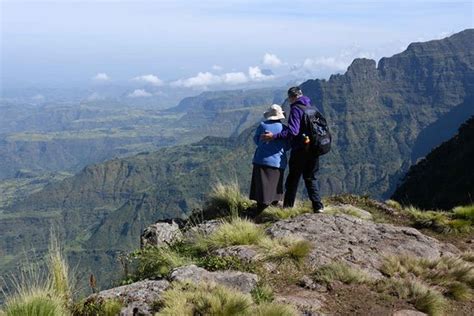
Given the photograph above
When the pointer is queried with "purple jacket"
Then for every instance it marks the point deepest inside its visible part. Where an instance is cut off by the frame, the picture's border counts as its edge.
(294, 121)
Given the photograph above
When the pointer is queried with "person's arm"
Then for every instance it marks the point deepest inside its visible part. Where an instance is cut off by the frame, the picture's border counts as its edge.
(294, 122)
(258, 132)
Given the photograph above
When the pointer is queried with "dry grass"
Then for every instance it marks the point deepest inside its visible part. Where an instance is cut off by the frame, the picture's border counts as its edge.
(338, 271)
(212, 299)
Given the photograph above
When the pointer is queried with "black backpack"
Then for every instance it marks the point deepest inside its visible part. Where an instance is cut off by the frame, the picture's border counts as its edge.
(315, 126)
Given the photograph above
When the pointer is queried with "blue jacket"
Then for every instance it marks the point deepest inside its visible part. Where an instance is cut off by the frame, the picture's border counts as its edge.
(272, 153)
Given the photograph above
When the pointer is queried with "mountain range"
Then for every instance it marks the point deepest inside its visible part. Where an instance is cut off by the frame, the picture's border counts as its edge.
(383, 118)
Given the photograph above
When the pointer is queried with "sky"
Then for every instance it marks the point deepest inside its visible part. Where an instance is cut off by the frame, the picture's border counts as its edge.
(205, 44)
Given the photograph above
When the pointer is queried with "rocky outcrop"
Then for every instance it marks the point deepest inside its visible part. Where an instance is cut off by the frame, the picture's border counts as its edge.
(137, 298)
(358, 242)
(161, 234)
(242, 281)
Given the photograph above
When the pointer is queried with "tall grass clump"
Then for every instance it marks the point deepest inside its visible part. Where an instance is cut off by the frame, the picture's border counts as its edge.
(37, 291)
(155, 262)
(452, 276)
(227, 199)
(236, 231)
(338, 271)
(460, 220)
(423, 297)
(274, 213)
(189, 299)
(285, 248)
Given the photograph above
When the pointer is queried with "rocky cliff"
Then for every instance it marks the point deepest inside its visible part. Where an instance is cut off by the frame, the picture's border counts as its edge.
(445, 177)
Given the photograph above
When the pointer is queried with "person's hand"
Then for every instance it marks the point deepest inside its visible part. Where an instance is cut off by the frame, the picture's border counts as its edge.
(268, 136)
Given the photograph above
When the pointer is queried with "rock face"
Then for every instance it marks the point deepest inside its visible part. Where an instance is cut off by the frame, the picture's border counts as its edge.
(358, 242)
(242, 281)
(137, 297)
(161, 234)
(425, 183)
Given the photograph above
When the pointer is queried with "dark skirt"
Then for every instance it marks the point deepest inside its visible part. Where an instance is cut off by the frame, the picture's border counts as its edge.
(267, 184)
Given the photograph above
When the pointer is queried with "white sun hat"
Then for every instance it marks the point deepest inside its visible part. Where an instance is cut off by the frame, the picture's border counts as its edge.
(275, 112)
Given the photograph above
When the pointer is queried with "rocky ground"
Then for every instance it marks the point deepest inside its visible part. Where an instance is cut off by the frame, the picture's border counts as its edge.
(346, 237)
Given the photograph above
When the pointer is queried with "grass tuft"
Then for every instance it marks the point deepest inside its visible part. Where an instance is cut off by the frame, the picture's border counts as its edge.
(423, 297)
(155, 262)
(274, 213)
(458, 221)
(226, 199)
(189, 299)
(237, 231)
(338, 271)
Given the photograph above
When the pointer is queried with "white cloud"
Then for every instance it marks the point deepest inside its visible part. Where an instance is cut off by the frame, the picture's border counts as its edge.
(204, 79)
(139, 93)
(101, 76)
(217, 68)
(271, 60)
(151, 79)
(234, 78)
(255, 74)
(326, 62)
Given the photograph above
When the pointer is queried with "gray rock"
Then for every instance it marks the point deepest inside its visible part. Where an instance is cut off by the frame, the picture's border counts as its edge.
(136, 297)
(357, 242)
(161, 234)
(307, 303)
(244, 253)
(204, 228)
(242, 281)
(408, 312)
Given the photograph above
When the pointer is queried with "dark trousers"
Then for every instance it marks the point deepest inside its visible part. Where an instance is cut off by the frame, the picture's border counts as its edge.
(302, 163)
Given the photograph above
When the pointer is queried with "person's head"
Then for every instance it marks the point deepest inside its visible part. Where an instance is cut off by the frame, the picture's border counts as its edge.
(294, 93)
(274, 113)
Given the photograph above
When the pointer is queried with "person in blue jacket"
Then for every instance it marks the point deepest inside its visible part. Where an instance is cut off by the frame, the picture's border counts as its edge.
(269, 161)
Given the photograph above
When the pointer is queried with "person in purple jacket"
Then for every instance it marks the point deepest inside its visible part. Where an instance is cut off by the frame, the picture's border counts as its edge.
(301, 162)
(269, 162)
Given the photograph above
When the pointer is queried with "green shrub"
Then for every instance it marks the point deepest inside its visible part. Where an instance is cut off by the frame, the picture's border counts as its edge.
(338, 271)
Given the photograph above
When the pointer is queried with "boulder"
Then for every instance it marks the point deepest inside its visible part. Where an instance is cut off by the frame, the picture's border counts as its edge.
(137, 297)
(242, 281)
(204, 228)
(357, 242)
(161, 234)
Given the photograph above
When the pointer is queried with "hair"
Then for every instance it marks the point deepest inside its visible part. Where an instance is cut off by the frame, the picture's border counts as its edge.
(295, 92)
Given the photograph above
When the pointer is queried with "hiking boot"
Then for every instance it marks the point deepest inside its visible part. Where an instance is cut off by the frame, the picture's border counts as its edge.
(318, 207)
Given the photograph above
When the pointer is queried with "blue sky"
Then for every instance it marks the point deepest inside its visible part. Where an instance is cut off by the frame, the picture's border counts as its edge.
(208, 43)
